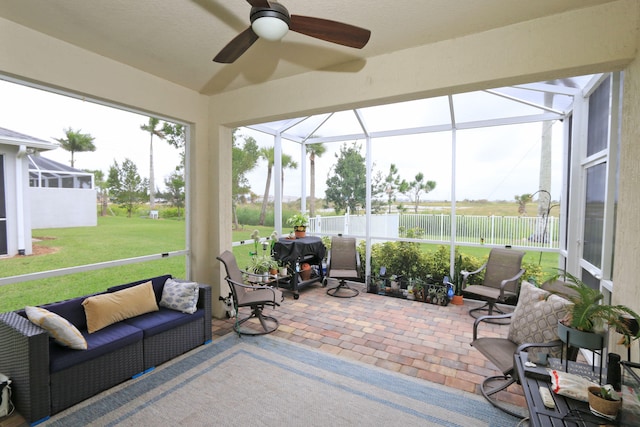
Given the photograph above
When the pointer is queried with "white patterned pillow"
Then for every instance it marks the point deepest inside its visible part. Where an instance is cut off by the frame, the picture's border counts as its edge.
(180, 296)
(535, 319)
(60, 329)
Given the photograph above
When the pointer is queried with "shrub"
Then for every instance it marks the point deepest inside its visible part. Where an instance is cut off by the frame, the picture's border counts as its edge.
(408, 260)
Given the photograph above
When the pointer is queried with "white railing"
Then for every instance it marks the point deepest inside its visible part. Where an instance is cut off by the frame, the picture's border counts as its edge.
(528, 232)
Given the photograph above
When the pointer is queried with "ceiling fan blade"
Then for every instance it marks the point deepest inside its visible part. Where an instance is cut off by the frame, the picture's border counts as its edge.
(259, 3)
(236, 47)
(331, 31)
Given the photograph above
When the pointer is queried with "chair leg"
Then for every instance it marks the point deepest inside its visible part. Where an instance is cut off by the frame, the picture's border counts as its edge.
(504, 382)
(268, 323)
(342, 285)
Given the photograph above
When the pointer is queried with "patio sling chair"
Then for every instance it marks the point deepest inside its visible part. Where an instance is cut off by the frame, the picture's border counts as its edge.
(249, 295)
(343, 263)
(533, 328)
(502, 273)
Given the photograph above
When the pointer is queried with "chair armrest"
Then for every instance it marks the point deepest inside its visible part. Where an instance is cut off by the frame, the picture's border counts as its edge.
(510, 280)
(465, 274)
(481, 319)
(526, 346)
(255, 288)
(24, 357)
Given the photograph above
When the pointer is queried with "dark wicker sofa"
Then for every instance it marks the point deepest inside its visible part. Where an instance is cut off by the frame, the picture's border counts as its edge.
(48, 378)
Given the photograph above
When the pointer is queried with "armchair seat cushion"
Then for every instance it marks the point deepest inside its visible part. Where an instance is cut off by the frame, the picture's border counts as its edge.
(488, 293)
(499, 352)
(252, 297)
(344, 274)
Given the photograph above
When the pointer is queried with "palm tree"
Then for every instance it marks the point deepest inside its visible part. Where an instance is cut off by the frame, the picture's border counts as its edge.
(316, 149)
(76, 142)
(268, 154)
(151, 128)
(522, 202)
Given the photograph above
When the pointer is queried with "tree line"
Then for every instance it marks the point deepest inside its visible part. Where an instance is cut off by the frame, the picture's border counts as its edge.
(346, 181)
(123, 184)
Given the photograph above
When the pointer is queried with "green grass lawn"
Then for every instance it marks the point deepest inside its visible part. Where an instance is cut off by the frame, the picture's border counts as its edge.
(117, 238)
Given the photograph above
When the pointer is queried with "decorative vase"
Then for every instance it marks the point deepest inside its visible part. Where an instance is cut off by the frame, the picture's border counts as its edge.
(457, 300)
(602, 406)
(283, 271)
(580, 339)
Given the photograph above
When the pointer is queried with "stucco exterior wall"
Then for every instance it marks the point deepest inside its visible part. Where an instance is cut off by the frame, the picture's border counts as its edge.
(18, 221)
(627, 245)
(50, 207)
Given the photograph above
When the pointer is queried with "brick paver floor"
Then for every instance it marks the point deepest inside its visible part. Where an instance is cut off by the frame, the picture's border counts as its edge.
(417, 339)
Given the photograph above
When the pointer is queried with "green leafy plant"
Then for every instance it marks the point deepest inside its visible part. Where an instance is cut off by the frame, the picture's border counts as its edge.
(457, 276)
(587, 313)
(261, 264)
(608, 393)
(298, 220)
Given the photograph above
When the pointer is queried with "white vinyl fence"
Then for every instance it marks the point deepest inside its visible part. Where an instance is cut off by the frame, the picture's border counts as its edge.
(528, 232)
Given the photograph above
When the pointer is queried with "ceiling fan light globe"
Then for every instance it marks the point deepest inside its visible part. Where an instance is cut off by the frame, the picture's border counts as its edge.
(270, 28)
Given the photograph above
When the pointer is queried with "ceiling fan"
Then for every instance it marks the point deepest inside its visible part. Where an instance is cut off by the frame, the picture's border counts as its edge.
(271, 21)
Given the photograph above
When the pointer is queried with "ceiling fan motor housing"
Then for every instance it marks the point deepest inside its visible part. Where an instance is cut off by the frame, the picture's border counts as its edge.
(275, 11)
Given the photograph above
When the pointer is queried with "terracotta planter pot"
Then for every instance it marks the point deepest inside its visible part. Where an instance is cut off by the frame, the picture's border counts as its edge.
(457, 300)
(305, 271)
(606, 407)
(300, 231)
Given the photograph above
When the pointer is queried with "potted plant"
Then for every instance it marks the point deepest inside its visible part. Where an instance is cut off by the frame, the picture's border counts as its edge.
(418, 290)
(587, 320)
(457, 282)
(260, 265)
(604, 401)
(299, 222)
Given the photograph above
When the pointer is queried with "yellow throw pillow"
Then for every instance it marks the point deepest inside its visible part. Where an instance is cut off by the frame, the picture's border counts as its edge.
(106, 309)
(60, 329)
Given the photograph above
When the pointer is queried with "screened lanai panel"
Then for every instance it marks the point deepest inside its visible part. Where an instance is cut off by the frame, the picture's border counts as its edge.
(535, 94)
(484, 106)
(63, 239)
(421, 213)
(407, 115)
(302, 128)
(340, 123)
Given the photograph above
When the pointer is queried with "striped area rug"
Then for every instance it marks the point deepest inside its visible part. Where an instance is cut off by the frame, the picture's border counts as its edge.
(268, 381)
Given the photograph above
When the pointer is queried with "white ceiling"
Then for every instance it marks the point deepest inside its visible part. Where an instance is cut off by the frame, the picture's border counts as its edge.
(177, 39)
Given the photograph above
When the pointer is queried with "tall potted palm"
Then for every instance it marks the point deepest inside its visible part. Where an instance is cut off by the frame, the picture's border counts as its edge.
(586, 323)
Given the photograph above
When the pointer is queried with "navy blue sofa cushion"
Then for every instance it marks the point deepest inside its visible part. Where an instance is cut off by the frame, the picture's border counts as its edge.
(162, 320)
(101, 342)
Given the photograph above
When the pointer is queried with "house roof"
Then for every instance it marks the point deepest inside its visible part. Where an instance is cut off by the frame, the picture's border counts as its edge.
(10, 137)
(177, 40)
(43, 164)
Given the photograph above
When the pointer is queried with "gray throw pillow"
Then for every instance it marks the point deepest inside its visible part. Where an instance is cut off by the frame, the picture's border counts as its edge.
(180, 296)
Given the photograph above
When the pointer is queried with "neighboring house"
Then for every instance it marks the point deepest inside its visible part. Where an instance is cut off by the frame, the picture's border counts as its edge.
(38, 193)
